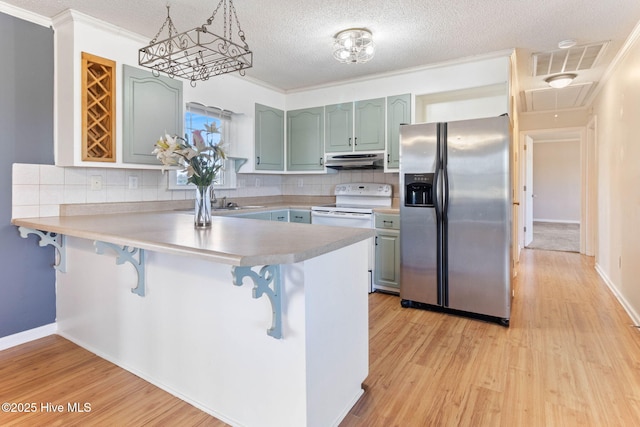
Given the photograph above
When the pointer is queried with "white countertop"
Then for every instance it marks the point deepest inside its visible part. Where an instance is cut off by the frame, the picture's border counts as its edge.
(234, 241)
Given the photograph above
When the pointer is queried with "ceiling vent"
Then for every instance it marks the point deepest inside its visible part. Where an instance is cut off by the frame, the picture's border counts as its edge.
(567, 60)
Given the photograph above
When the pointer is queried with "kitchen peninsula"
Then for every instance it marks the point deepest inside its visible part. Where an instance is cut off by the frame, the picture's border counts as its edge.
(175, 306)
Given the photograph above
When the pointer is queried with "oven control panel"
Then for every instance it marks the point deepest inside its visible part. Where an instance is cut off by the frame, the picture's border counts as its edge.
(363, 189)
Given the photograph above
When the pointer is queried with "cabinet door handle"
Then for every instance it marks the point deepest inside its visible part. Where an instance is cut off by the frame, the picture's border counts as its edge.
(355, 140)
(376, 240)
(349, 142)
(258, 160)
(388, 158)
(387, 222)
(321, 161)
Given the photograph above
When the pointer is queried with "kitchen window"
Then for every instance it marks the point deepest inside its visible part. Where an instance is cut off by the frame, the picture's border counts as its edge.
(202, 117)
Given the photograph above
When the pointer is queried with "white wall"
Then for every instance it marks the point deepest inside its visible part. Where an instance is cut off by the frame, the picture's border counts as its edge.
(556, 181)
(463, 110)
(548, 120)
(431, 80)
(617, 111)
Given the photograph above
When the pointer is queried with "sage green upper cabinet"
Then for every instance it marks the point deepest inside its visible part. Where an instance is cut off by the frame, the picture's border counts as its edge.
(305, 139)
(338, 127)
(398, 112)
(369, 125)
(152, 106)
(269, 138)
(355, 126)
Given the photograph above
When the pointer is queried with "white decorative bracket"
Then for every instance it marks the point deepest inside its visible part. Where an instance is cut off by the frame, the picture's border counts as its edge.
(269, 274)
(48, 238)
(127, 254)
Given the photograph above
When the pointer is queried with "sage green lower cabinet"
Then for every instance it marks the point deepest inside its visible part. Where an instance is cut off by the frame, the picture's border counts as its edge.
(387, 252)
(281, 215)
(269, 138)
(256, 215)
(305, 139)
(301, 216)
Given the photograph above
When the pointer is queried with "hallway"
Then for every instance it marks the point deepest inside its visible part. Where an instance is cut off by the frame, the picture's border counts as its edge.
(554, 236)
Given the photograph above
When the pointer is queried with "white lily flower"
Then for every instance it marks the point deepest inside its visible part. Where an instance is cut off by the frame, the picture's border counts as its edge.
(200, 160)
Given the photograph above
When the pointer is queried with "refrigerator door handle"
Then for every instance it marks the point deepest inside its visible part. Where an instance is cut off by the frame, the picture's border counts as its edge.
(445, 217)
(445, 176)
(437, 203)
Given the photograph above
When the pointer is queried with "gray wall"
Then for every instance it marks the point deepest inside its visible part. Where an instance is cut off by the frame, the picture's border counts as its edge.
(27, 281)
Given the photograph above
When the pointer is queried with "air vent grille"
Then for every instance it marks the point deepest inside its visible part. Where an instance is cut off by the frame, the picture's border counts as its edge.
(567, 60)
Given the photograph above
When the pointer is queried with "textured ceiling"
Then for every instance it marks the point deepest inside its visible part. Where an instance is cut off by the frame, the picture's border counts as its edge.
(292, 39)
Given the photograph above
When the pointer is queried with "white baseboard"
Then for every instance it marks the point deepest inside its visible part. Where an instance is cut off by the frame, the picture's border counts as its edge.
(635, 318)
(562, 221)
(26, 336)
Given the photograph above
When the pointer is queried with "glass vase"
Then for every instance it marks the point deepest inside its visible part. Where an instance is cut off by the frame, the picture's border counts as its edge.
(202, 217)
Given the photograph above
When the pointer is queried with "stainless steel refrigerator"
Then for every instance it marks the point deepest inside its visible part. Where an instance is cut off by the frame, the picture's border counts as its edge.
(455, 216)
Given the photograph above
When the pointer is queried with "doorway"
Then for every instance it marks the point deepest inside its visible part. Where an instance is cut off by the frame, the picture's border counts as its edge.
(555, 172)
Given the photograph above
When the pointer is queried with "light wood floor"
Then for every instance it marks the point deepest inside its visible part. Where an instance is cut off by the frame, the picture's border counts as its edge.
(569, 358)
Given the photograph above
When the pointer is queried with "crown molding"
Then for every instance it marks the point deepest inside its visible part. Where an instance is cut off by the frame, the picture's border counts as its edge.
(71, 15)
(25, 15)
(466, 60)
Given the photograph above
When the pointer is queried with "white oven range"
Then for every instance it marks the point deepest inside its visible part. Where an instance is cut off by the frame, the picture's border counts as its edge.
(354, 207)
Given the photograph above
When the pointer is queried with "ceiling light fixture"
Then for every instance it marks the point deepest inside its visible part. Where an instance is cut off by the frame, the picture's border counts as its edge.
(353, 46)
(199, 54)
(566, 44)
(560, 80)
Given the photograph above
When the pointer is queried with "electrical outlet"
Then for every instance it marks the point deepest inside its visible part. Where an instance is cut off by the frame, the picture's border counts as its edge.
(96, 182)
(300, 182)
(133, 182)
(258, 182)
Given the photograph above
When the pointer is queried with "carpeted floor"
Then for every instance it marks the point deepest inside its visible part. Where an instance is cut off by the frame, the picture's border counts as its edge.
(556, 236)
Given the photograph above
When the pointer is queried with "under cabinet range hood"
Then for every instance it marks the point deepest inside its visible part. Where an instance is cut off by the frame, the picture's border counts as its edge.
(355, 161)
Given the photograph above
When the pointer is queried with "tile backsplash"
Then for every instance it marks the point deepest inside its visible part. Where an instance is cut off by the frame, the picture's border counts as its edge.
(39, 190)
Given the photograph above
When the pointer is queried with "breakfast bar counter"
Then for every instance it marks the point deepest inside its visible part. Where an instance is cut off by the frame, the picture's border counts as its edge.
(233, 241)
(258, 323)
